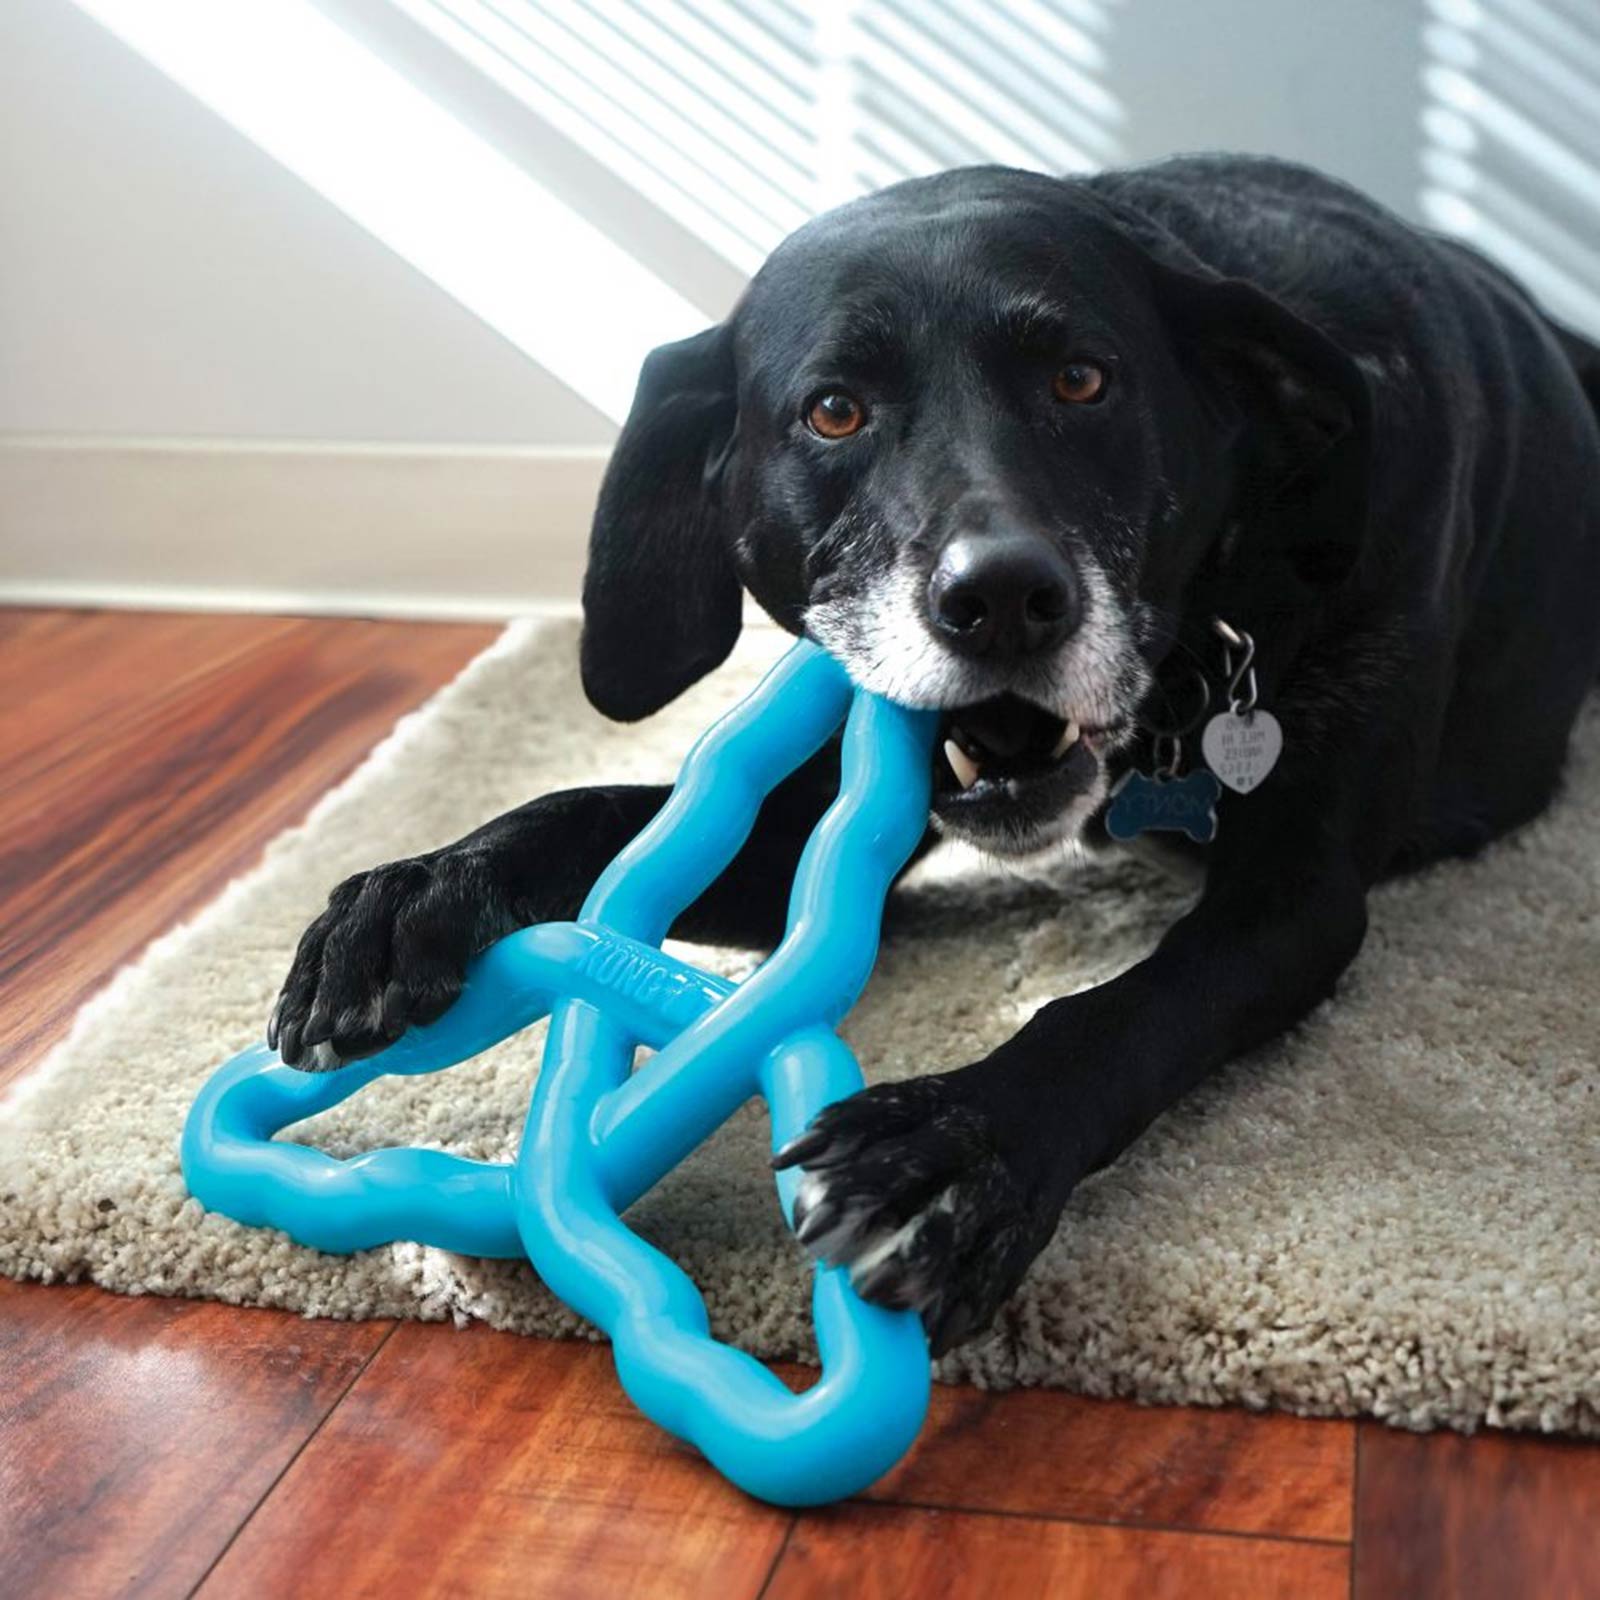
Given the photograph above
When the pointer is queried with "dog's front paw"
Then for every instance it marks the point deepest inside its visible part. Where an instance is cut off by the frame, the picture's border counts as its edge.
(910, 1186)
(388, 953)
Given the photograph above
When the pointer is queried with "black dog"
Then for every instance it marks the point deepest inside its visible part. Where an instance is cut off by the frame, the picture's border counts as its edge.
(1006, 444)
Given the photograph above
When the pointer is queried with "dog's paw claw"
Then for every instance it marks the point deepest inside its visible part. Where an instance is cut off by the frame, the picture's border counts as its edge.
(908, 1187)
(322, 1057)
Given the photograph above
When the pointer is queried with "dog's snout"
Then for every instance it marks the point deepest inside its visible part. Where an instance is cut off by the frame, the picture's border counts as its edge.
(1003, 595)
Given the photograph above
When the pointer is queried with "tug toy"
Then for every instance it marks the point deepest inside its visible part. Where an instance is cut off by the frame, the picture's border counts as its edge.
(599, 1134)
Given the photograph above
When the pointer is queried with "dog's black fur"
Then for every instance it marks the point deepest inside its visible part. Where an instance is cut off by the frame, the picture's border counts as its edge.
(1360, 442)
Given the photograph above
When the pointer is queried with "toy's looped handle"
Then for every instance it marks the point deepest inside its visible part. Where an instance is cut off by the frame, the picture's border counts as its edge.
(233, 1164)
(597, 1136)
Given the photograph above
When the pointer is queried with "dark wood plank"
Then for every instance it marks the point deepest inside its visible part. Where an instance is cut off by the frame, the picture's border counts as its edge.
(868, 1552)
(1059, 1455)
(135, 1435)
(81, 672)
(158, 778)
(147, 760)
(474, 1462)
(1496, 1515)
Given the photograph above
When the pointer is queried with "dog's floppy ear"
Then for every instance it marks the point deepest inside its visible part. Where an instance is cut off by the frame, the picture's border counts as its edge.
(1302, 412)
(661, 596)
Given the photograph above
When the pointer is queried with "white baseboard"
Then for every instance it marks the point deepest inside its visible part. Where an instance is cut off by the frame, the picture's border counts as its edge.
(369, 530)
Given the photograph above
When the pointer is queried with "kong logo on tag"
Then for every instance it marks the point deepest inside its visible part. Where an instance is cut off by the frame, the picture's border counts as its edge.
(1141, 803)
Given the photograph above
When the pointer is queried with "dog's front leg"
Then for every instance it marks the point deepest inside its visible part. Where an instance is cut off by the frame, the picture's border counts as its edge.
(391, 949)
(939, 1191)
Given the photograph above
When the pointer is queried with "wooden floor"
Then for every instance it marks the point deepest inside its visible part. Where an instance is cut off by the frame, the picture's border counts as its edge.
(161, 1447)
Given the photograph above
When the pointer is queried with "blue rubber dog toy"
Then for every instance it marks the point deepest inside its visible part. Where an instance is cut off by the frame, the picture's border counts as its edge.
(599, 1134)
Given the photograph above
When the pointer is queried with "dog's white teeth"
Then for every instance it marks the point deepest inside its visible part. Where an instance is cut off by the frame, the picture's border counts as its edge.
(964, 767)
(1069, 737)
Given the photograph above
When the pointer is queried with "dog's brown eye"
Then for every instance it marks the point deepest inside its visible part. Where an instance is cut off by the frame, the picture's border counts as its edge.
(1079, 383)
(835, 415)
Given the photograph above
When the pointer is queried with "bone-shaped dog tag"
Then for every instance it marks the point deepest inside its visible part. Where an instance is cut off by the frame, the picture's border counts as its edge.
(1146, 803)
(1242, 749)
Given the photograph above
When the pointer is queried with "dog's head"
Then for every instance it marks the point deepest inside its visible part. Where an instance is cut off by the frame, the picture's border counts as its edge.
(979, 435)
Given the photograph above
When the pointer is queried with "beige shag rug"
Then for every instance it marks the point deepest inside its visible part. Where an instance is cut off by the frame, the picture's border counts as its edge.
(1392, 1212)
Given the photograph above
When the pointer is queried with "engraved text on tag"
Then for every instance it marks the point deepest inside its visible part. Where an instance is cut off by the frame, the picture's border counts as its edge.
(1242, 750)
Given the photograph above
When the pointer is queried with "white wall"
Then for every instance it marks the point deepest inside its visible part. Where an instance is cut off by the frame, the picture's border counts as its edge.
(1329, 82)
(163, 277)
(160, 276)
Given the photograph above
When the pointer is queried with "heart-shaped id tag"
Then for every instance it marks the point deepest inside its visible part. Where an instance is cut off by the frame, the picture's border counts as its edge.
(1242, 747)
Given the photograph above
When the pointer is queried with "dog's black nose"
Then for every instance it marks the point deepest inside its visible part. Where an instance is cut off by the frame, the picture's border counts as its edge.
(1003, 595)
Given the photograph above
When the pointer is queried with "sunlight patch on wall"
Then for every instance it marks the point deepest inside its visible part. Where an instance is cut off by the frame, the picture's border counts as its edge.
(1511, 123)
(743, 118)
(408, 172)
